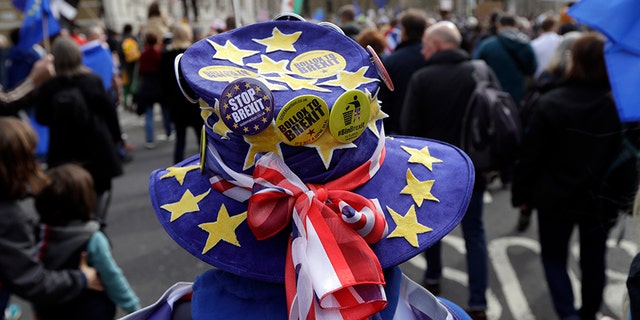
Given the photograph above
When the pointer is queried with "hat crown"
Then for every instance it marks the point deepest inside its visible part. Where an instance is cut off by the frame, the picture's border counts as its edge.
(300, 70)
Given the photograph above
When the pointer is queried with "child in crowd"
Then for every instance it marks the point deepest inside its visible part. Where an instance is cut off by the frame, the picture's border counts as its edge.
(69, 228)
(21, 272)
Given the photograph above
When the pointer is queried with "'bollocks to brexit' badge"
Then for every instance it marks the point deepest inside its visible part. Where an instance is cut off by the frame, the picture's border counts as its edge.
(246, 106)
(302, 120)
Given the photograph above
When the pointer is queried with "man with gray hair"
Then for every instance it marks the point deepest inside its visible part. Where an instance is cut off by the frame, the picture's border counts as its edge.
(435, 101)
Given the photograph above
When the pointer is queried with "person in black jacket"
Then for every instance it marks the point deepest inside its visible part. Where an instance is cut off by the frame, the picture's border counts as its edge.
(401, 64)
(183, 113)
(84, 129)
(571, 139)
(436, 99)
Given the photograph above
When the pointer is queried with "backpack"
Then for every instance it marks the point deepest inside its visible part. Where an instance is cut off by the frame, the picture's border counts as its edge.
(70, 104)
(491, 129)
(129, 50)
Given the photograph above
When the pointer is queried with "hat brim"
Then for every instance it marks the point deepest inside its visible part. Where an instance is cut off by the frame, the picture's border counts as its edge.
(213, 227)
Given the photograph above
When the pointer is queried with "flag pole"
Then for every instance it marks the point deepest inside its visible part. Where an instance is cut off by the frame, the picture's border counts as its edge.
(45, 34)
(236, 12)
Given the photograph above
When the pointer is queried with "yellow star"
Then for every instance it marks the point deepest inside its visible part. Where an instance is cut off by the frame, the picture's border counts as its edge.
(350, 80)
(221, 128)
(188, 203)
(421, 156)
(265, 141)
(206, 111)
(280, 41)
(231, 52)
(376, 114)
(408, 226)
(297, 84)
(419, 190)
(269, 66)
(326, 144)
(178, 172)
(223, 229)
(269, 81)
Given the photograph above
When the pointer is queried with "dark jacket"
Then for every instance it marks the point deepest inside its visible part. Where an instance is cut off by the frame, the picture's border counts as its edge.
(401, 64)
(495, 52)
(182, 112)
(20, 270)
(94, 145)
(437, 96)
(571, 139)
(64, 245)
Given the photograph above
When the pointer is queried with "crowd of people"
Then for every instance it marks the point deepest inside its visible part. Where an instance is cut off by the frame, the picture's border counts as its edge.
(555, 72)
(60, 110)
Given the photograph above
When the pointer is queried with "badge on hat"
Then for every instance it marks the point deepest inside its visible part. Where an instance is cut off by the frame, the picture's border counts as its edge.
(246, 106)
(349, 116)
(302, 120)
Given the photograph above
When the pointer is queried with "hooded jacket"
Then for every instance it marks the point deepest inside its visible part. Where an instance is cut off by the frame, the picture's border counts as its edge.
(20, 270)
(495, 51)
(61, 249)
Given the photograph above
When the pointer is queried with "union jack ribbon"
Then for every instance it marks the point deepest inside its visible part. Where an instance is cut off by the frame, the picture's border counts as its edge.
(331, 272)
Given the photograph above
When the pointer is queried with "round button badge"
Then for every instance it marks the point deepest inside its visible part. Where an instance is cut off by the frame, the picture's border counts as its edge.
(246, 106)
(349, 116)
(302, 120)
(382, 71)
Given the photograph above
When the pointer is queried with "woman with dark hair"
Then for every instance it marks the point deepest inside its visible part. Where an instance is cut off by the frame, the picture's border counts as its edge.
(83, 124)
(20, 271)
(573, 133)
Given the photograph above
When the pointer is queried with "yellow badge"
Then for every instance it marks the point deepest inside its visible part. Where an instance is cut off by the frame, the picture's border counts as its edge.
(349, 116)
(203, 147)
(225, 73)
(318, 64)
(302, 120)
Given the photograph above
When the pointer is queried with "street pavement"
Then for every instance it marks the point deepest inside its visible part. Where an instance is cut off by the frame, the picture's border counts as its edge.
(152, 262)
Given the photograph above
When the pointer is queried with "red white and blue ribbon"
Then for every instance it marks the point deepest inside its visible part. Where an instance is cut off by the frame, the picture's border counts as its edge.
(331, 272)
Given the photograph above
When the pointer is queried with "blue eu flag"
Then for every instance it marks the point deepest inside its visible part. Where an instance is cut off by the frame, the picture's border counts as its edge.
(622, 51)
(32, 30)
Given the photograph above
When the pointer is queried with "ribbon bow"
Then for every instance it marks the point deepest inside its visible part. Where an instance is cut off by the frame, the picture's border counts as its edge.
(331, 272)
